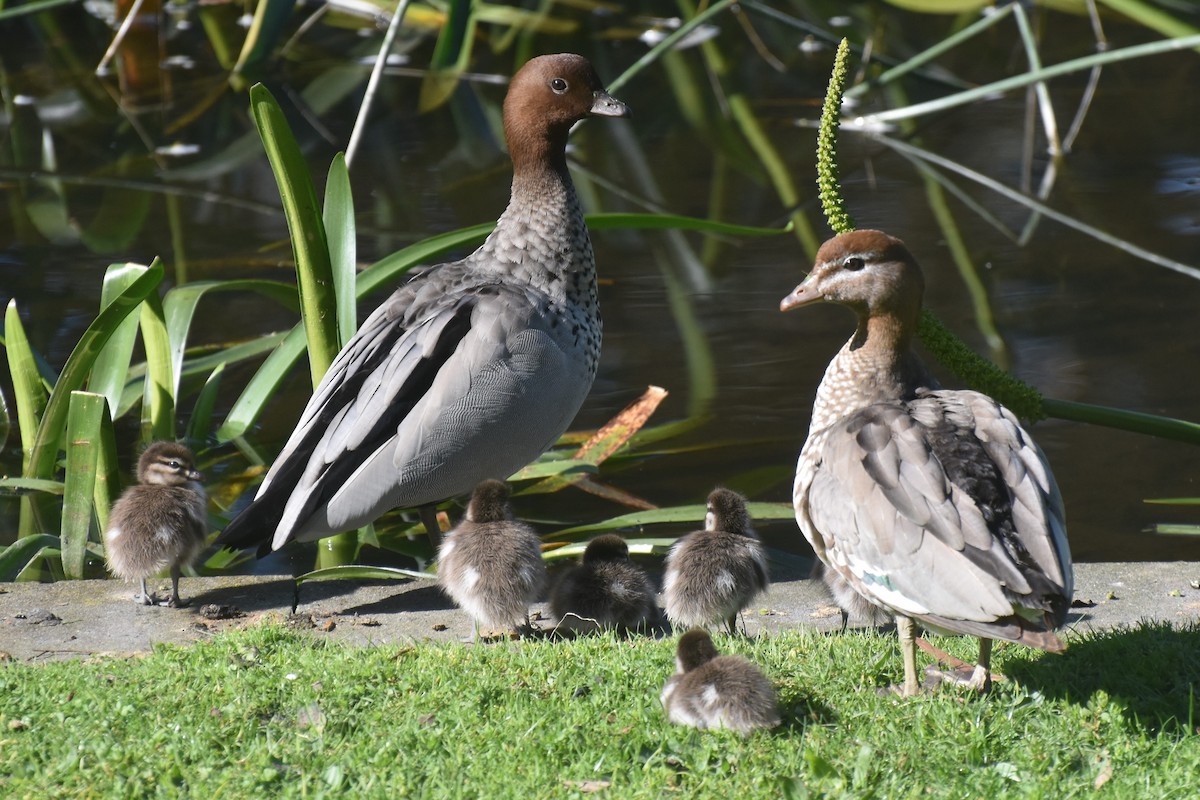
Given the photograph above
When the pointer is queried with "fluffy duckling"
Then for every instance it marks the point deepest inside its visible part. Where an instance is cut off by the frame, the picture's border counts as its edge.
(848, 601)
(607, 590)
(159, 524)
(491, 564)
(713, 574)
(709, 690)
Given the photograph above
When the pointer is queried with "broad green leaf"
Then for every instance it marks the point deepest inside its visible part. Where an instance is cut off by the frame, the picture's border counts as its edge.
(362, 573)
(108, 474)
(83, 447)
(21, 554)
(158, 397)
(179, 308)
(1168, 529)
(451, 55)
(262, 387)
(110, 371)
(5, 422)
(79, 363)
(940, 6)
(269, 23)
(338, 216)
(29, 394)
(318, 304)
(556, 467)
(201, 422)
(760, 512)
(1174, 501)
(1152, 17)
(19, 486)
(122, 210)
(637, 547)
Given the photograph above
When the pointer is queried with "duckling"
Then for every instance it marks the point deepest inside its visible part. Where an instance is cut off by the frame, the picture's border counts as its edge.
(709, 690)
(713, 574)
(491, 564)
(934, 504)
(848, 601)
(607, 590)
(160, 523)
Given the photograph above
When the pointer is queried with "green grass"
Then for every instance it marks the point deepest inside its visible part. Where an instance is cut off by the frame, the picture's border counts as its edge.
(270, 712)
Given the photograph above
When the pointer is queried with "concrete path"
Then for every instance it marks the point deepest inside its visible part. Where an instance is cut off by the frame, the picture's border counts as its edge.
(70, 619)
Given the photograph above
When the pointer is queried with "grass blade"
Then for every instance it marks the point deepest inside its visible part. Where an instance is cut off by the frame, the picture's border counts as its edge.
(83, 436)
(318, 305)
(760, 512)
(50, 432)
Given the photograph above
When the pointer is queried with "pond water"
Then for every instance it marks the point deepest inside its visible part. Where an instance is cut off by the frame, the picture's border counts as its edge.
(1081, 320)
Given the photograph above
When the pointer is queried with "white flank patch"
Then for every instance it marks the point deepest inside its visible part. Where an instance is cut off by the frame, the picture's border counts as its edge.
(710, 696)
(164, 534)
(112, 534)
(470, 578)
(725, 582)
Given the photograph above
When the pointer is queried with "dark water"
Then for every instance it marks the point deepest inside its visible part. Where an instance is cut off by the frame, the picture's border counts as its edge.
(1081, 320)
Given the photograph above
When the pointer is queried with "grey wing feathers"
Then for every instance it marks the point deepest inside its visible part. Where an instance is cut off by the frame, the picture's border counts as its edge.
(904, 502)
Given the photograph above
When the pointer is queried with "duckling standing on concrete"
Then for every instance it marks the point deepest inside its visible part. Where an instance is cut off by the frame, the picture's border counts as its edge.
(160, 523)
(709, 690)
(491, 564)
(607, 590)
(713, 574)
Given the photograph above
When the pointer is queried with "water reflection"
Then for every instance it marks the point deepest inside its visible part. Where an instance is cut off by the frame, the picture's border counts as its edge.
(1081, 320)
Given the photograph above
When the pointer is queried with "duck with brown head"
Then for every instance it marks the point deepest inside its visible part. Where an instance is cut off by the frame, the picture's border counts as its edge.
(470, 370)
(159, 524)
(933, 504)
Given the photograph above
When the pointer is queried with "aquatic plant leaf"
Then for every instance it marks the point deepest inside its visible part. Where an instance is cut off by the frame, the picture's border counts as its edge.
(24, 553)
(179, 308)
(29, 393)
(270, 20)
(760, 512)
(201, 420)
(318, 304)
(358, 572)
(451, 55)
(52, 427)
(19, 486)
(940, 6)
(83, 447)
(158, 389)
(111, 368)
(338, 217)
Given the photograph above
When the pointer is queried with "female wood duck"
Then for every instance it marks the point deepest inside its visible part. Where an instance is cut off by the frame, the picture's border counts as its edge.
(933, 504)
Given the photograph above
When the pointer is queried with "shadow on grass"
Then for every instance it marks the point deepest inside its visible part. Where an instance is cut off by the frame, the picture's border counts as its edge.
(1152, 670)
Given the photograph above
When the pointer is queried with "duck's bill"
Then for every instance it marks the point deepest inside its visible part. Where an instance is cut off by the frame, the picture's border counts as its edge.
(605, 105)
(802, 295)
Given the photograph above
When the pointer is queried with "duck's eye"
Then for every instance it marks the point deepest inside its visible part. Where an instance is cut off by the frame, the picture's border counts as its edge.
(175, 465)
(853, 263)
(558, 85)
